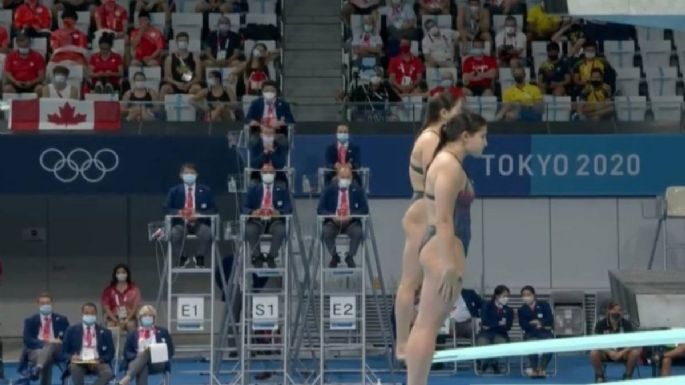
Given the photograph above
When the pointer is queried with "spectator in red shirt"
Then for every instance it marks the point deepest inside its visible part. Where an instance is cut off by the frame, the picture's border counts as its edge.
(4, 41)
(479, 71)
(121, 299)
(112, 16)
(24, 68)
(406, 71)
(33, 15)
(447, 84)
(68, 43)
(147, 42)
(106, 67)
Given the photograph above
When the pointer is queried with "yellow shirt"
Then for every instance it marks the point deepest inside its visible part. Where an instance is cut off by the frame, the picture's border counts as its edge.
(584, 67)
(542, 23)
(529, 94)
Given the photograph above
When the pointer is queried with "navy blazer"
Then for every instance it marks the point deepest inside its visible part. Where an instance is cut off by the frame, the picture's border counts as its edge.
(161, 336)
(490, 319)
(328, 202)
(473, 302)
(280, 199)
(74, 341)
(176, 200)
(32, 325)
(353, 155)
(278, 158)
(256, 111)
(542, 312)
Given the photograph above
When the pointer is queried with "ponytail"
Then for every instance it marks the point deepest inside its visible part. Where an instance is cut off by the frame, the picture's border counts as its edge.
(437, 103)
(467, 121)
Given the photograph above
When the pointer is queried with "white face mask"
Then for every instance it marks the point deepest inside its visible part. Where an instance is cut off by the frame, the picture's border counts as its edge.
(343, 137)
(182, 45)
(503, 300)
(139, 84)
(268, 178)
(224, 27)
(376, 79)
(211, 82)
(269, 96)
(590, 55)
(477, 51)
(368, 27)
(60, 79)
(435, 31)
(257, 53)
(23, 50)
(121, 277)
(447, 83)
(344, 183)
(510, 30)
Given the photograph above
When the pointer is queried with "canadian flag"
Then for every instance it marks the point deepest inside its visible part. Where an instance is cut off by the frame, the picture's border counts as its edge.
(64, 114)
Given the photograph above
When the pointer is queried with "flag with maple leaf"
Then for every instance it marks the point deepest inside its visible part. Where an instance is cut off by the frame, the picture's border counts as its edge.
(64, 114)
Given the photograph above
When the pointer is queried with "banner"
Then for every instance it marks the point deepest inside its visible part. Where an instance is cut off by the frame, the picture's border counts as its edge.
(64, 114)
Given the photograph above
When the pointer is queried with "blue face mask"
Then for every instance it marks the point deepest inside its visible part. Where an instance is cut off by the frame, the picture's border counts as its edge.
(45, 309)
(343, 137)
(189, 178)
(89, 319)
(146, 321)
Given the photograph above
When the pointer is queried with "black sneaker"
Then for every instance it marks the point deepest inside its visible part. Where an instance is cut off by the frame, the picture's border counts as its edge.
(350, 262)
(257, 261)
(334, 262)
(199, 261)
(270, 261)
(183, 261)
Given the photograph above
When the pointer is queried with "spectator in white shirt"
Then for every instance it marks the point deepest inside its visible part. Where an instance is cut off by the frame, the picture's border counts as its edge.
(510, 43)
(368, 42)
(439, 46)
(400, 20)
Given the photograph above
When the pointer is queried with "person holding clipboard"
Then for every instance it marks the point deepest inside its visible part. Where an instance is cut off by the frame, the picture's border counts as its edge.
(89, 348)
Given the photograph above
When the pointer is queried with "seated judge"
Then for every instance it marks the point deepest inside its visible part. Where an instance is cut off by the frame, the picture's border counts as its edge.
(270, 110)
(496, 321)
(187, 200)
(537, 322)
(43, 336)
(466, 308)
(342, 152)
(268, 147)
(265, 202)
(137, 353)
(611, 324)
(341, 200)
(89, 348)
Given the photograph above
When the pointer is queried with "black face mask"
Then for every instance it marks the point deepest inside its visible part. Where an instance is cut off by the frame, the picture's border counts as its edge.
(596, 83)
(519, 79)
(615, 316)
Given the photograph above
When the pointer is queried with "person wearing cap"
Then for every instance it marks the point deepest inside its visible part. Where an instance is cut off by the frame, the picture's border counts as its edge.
(554, 76)
(24, 68)
(68, 43)
(147, 42)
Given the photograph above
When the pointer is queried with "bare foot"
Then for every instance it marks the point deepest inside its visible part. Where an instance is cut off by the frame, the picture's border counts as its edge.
(400, 352)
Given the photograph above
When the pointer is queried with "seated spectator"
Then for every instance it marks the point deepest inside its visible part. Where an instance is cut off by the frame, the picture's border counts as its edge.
(479, 71)
(668, 357)
(43, 334)
(541, 25)
(614, 323)
(152, 6)
(510, 44)
(223, 46)
(188, 200)
(136, 349)
(182, 69)
(400, 20)
(342, 153)
(68, 43)
(371, 100)
(341, 200)
(147, 42)
(139, 100)
(60, 87)
(447, 84)
(473, 22)
(221, 100)
(105, 67)
(434, 7)
(24, 68)
(596, 96)
(496, 321)
(506, 7)
(213, 6)
(522, 100)
(465, 309)
(537, 321)
(358, 7)
(120, 300)
(4, 41)
(571, 31)
(554, 75)
(34, 16)
(368, 43)
(113, 17)
(265, 203)
(439, 46)
(406, 71)
(269, 110)
(256, 70)
(268, 148)
(582, 72)
(89, 348)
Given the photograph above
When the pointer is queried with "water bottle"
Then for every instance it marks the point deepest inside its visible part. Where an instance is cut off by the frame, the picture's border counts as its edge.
(232, 185)
(306, 186)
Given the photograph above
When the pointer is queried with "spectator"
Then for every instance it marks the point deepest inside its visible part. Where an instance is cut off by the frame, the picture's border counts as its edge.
(668, 357)
(368, 43)
(522, 100)
(400, 20)
(266, 203)
(120, 300)
(182, 69)
(342, 153)
(597, 98)
(89, 348)
(136, 349)
(554, 75)
(106, 67)
(571, 31)
(43, 336)
(466, 308)
(269, 110)
(371, 100)
(496, 321)
(68, 43)
(33, 15)
(582, 73)
(339, 201)
(187, 200)
(537, 321)
(434, 7)
(479, 71)
(510, 43)
(473, 22)
(60, 87)
(4, 41)
(541, 25)
(24, 68)
(256, 70)
(223, 46)
(268, 148)
(406, 71)
(614, 323)
(358, 7)
(139, 100)
(213, 6)
(447, 84)
(111, 16)
(147, 42)
(506, 7)
(220, 100)
(439, 46)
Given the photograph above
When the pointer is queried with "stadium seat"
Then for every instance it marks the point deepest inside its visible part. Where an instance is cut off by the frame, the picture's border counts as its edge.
(679, 40)
(648, 34)
(153, 75)
(178, 108)
(157, 19)
(82, 24)
(6, 17)
(247, 100)
(213, 20)
(539, 53)
(661, 81)
(506, 79)
(194, 46)
(262, 19)
(191, 23)
(667, 108)
(557, 108)
(412, 110)
(188, 5)
(620, 53)
(656, 54)
(261, 6)
(483, 105)
(630, 108)
(498, 22)
(628, 81)
(434, 75)
(443, 21)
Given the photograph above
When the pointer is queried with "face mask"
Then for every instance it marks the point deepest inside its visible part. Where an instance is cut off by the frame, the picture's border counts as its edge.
(23, 50)
(121, 277)
(182, 45)
(60, 79)
(89, 319)
(189, 178)
(269, 95)
(405, 49)
(224, 27)
(368, 27)
(69, 23)
(139, 84)
(510, 30)
(435, 32)
(447, 83)
(45, 309)
(257, 53)
(477, 51)
(529, 299)
(344, 183)
(596, 83)
(268, 178)
(146, 321)
(342, 137)
(104, 49)
(519, 78)
(553, 57)
(590, 55)
(211, 82)
(376, 79)
(503, 300)
(616, 316)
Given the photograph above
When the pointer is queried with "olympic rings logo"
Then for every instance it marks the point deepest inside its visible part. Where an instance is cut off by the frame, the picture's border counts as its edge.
(79, 162)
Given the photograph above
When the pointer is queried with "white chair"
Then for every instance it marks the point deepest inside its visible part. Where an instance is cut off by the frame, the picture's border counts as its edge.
(153, 75)
(620, 53)
(157, 19)
(557, 108)
(679, 40)
(6, 17)
(213, 20)
(188, 5)
(486, 106)
(539, 53)
(412, 110)
(630, 108)
(656, 54)
(499, 20)
(645, 35)
(261, 6)
(661, 81)
(262, 19)
(506, 79)
(667, 108)
(191, 23)
(434, 75)
(194, 46)
(628, 81)
(82, 24)
(443, 21)
(178, 108)
(247, 100)
(113, 97)
(25, 96)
